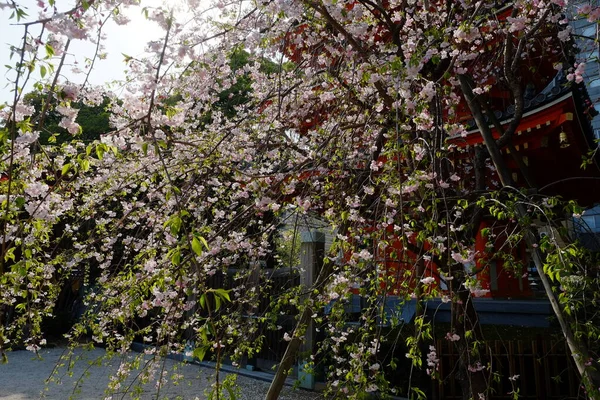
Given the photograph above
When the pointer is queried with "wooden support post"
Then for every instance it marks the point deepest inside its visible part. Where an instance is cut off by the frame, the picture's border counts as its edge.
(312, 251)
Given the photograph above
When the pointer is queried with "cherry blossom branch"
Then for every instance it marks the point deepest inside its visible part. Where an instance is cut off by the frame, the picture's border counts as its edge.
(70, 12)
(46, 105)
(96, 51)
(511, 65)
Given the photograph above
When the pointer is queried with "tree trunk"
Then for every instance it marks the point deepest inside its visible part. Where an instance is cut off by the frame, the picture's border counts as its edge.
(289, 357)
(578, 348)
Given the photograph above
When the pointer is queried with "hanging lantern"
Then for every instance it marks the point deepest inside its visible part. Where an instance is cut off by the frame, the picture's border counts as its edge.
(563, 140)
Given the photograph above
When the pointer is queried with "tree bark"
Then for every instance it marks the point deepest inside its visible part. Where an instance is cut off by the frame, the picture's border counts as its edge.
(578, 348)
(290, 353)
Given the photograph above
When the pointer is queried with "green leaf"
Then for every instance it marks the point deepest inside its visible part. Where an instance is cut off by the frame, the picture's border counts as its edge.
(65, 169)
(204, 242)
(345, 215)
(21, 269)
(200, 352)
(10, 254)
(230, 391)
(204, 334)
(21, 14)
(222, 293)
(85, 164)
(43, 71)
(176, 257)
(196, 246)
(49, 50)
(100, 150)
(175, 225)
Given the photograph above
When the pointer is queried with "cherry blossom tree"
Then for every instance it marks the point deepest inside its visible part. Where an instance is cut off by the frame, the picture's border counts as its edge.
(246, 115)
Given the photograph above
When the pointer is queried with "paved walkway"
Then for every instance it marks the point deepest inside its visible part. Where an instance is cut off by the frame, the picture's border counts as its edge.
(24, 377)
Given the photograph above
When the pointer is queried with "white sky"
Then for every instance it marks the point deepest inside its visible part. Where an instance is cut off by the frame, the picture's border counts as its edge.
(129, 39)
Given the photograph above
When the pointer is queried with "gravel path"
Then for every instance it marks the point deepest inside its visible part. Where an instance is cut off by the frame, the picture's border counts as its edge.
(24, 376)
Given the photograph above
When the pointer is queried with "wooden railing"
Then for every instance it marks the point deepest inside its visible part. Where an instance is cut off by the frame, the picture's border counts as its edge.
(541, 369)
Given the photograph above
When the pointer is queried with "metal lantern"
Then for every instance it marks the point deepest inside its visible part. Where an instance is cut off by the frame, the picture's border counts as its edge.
(563, 140)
